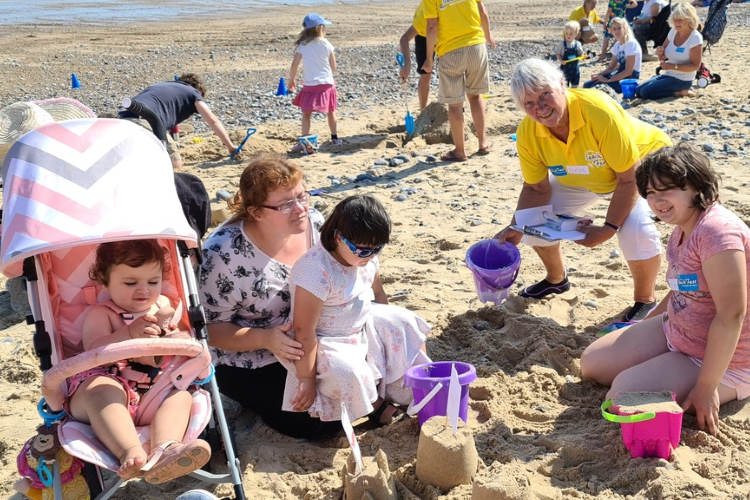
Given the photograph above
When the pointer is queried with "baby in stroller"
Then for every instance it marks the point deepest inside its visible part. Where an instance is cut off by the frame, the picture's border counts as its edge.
(107, 397)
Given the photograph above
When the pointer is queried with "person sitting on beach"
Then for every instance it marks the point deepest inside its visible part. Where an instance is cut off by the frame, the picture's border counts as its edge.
(244, 288)
(615, 8)
(106, 396)
(696, 343)
(625, 61)
(345, 361)
(577, 146)
(587, 17)
(679, 57)
(162, 106)
(643, 24)
(568, 53)
(319, 90)
(417, 31)
(457, 32)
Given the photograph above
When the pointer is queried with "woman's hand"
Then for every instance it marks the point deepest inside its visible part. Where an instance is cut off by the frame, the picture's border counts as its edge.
(305, 394)
(145, 327)
(599, 78)
(595, 235)
(706, 402)
(510, 235)
(291, 87)
(282, 345)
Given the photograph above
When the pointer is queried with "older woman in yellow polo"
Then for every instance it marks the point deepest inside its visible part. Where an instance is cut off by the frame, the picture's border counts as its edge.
(578, 147)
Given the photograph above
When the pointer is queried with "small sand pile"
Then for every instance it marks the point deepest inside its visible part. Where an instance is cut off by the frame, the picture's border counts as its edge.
(642, 402)
(445, 460)
(375, 480)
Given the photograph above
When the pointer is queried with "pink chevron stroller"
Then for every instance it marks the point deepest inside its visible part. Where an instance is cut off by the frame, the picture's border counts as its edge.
(68, 187)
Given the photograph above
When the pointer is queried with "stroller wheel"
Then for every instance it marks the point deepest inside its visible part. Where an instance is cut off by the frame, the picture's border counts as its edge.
(703, 82)
(715, 78)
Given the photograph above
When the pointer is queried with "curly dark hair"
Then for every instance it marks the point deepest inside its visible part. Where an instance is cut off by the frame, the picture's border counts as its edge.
(194, 81)
(133, 253)
(360, 219)
(678, 167)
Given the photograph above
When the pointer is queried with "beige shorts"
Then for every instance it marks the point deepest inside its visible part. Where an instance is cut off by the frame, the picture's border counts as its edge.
(463, 71)
(174, 153)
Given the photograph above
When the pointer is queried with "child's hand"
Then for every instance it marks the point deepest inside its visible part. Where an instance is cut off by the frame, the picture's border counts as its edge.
(305, 394)
(174, 333)
(292, 86)
(145, 327)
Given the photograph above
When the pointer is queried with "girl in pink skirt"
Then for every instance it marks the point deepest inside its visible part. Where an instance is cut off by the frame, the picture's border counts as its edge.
(319, 90)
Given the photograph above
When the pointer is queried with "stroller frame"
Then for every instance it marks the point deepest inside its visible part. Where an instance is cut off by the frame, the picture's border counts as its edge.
(69, 186)
(196, 315)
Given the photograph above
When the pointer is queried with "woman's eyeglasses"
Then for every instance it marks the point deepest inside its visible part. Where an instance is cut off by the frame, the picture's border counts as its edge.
(288, 206)
(361, 252)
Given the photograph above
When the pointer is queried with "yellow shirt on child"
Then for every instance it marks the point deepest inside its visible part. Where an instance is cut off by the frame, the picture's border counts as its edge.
(579, 13)
(419, 22)
(603, 139)
(459, 24)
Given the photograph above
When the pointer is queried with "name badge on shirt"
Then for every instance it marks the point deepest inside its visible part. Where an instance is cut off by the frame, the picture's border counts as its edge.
(680, 49)
(558, 170)
(578, 169)
(687, 282)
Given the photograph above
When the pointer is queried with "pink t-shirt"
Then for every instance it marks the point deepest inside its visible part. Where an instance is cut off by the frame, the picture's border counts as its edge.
(691, 308)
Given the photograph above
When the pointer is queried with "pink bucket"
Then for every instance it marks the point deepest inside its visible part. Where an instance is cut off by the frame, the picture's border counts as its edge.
(647, 434)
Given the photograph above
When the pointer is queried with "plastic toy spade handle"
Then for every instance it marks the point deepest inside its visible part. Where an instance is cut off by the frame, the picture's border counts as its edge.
(625, 419)
(400, 60)
(250, 131)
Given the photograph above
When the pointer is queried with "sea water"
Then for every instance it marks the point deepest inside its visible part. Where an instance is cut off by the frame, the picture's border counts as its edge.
(128, 11)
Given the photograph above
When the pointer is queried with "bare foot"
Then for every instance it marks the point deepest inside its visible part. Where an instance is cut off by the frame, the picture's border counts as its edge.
(131, 462)
(684, 93)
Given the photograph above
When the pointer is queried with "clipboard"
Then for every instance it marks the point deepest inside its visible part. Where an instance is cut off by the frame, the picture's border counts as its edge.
(542, 222)
(547, 233)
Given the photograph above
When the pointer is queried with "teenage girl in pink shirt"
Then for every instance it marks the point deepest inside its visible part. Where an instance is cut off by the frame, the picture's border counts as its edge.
(696, 342)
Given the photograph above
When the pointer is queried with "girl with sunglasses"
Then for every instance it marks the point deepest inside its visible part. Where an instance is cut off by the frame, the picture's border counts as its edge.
(355, 351)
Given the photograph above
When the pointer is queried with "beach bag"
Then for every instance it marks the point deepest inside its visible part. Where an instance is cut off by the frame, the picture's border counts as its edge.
(196, 204)
(716, 21)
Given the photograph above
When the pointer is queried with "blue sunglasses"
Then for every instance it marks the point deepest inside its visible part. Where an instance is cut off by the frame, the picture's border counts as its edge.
(361, 252)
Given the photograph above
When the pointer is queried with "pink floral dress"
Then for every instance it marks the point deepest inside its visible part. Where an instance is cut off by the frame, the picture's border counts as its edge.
(363, 348)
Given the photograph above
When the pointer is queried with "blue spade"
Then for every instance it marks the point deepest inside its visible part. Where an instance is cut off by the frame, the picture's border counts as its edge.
(408, 119)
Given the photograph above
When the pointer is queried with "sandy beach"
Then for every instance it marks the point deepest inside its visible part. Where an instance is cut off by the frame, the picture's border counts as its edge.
(537, 426)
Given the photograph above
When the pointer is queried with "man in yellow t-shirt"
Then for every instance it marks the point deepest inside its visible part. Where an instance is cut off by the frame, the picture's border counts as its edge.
(457, 31)
(587, 17)
(576, 147)
(417, 31)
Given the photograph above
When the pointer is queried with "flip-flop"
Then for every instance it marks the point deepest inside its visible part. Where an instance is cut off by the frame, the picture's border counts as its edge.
(451, 156)
(485, 150)
(172, 460)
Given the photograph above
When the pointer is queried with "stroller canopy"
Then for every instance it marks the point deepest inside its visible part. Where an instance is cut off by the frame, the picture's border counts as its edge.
(84, 182)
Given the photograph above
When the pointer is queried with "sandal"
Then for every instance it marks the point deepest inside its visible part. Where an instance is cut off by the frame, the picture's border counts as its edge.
(173, 459)
(376, 417)
(452, 156)
(485, 150)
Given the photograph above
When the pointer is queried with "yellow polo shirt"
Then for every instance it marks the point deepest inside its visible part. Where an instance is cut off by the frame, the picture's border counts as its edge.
(459, 24)
(579, 13)
(603, 139)
(419, 22)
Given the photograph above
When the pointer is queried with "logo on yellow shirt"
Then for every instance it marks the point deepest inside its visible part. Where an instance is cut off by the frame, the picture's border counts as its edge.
(450, 3)
(595, 158)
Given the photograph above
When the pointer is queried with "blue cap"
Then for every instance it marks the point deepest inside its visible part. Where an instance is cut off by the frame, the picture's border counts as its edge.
(314, 20)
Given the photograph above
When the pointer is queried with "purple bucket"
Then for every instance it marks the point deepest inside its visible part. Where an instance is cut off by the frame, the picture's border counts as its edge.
(495, 266)
(423, 378)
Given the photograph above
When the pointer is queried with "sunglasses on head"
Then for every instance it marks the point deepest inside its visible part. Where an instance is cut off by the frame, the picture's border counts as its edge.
(361, 252)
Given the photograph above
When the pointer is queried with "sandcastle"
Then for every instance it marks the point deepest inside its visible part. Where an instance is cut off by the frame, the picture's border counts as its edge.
(445, 460)
(374, 482)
